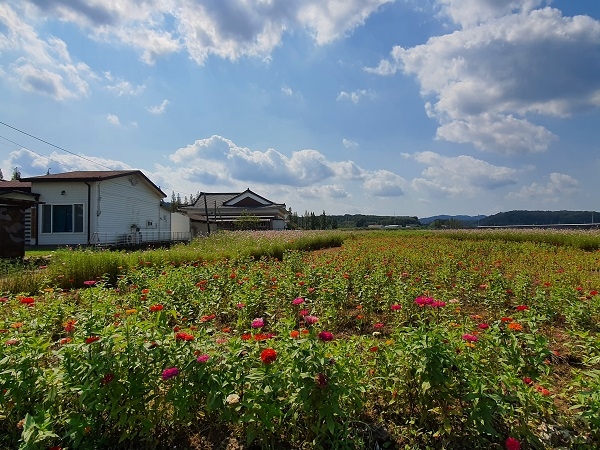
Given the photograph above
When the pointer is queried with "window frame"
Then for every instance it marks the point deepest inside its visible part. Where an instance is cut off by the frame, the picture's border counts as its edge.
(49, 221)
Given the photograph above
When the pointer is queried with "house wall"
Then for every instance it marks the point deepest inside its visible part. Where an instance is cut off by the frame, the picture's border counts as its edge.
(180, 223)
(51, 193)
(115, 205)
(121, 205)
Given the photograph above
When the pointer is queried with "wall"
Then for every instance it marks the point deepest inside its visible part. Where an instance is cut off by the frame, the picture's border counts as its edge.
(12, 232)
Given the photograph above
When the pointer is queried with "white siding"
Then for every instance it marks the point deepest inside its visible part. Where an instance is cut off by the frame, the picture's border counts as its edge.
(123, 208)
(51, 194)
(180, 223)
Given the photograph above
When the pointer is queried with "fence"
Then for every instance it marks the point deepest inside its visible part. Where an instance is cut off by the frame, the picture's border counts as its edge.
(139, 238)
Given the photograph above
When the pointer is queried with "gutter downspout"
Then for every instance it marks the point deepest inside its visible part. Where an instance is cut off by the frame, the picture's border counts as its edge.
(89, 209)
(206, 212)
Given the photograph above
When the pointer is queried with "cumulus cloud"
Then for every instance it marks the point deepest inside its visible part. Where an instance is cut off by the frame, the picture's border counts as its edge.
(558, 186)
(113, 120)
(508, 63)
(462, 175)
(325, 191)
(383, 183)
(121, 87)
(41, 66)
(33, 164)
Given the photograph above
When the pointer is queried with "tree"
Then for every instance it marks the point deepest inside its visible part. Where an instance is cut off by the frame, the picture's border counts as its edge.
(1, 175)
(246, 221)
(16, 174)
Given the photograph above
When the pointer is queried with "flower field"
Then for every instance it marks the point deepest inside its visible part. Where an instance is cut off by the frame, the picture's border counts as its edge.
(392, 340)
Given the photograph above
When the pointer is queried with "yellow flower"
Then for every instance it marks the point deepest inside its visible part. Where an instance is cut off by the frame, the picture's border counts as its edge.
(131, 311)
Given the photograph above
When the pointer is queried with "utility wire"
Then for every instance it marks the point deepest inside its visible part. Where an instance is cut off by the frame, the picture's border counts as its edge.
(55, 146)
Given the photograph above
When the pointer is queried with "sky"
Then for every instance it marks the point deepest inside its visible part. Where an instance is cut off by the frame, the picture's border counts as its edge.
(403, 108)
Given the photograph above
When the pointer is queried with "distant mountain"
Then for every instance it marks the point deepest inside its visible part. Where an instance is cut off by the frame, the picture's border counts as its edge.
(462, 218)
(540, 218)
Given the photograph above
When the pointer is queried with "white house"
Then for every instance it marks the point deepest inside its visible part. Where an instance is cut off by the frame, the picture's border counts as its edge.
(100, 207)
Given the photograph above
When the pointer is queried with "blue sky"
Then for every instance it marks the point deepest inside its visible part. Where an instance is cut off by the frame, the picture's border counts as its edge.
(405, 107)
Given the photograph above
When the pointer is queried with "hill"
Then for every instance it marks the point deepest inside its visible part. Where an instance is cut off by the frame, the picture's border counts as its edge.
(461, 218)
(540, 218)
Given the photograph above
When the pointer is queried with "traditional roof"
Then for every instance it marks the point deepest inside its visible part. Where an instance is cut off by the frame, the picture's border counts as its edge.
(246, 199)
(91, 175)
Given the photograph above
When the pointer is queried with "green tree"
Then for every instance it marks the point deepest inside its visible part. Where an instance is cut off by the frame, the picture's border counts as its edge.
(246, 221)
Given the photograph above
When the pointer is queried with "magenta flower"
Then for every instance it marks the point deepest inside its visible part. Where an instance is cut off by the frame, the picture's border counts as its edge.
(470, 337)
(378, 326)
(437, 304)
(298, 301)
(396, 307)
(311, 320)
(240, 305)
(303, 312)
(326, 336)
(258, 322)
(422, 301)
(170, 373)
(203, 358)
(483, 326)
(89, 282)
(512, 444)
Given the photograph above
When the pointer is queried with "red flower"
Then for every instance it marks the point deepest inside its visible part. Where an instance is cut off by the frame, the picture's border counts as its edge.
(374, 349)
(92, 339)
(527, 380)
(246, 337)
(106, 379)
(70, 325)
(506, 319)
(183, 336)
(522, 308)
(396, 307)
(294, 334)
(27, 300)
(156, 307)
(64, 341)
(268, 356)
(326, 336)
(512, 444)
(378, 326)
(207, 318)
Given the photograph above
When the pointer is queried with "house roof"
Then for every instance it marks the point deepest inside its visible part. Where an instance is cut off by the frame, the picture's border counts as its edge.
(15, 185)
(91, 175)
(233, 199)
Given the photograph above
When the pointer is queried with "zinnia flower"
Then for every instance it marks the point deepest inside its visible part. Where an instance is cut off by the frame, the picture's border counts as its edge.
(378, 326)
(89, 282)
(512, 444)
(298, 301)
(27, 300)
(232, 399)
(311, 320)
(203, 358)
(470, 337)
(326, 336)
(522, 308)
(483, 326)
(12, 342)
(422, 301)
(396, 307)
(268, 356)
(515, 326)
(69, 325)
(294, 334)
(156, 307)
(437, 304)
(183, 336)
(170, 373)
(527, 380)
(258, 322)
(92, 339)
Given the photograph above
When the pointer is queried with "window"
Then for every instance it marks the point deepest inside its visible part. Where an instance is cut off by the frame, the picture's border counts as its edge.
(62, 218)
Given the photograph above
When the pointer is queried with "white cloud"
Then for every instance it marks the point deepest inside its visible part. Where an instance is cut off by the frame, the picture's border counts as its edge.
(509, 63)
(350, 144)
(121, 87)
(41, 66)
(355, 96)
(462, 175)
(113, 120)
(557, 187)
(158, 109)
(325, 191)
(383, 183)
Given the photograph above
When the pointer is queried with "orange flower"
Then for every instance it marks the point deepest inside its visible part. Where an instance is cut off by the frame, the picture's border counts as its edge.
(17, 325)
(294, 334)
(515, 326)
(506, 319)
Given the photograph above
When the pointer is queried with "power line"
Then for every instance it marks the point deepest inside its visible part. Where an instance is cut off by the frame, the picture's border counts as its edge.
(58, 147)
(55, 146)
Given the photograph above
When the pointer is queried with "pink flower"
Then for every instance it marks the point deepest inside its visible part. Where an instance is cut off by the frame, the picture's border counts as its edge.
(438, 304)
(203, 358)
(422, 301)
(12, 342)
(240, 305)
(311, 320)
(298, 301)
(512, 444)
(470, 337)
(3, 300)
(378, 326)
(89, 282)
(170, 373)
(258, 322)
(326, 336)
(483, 326)
(396, 307)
